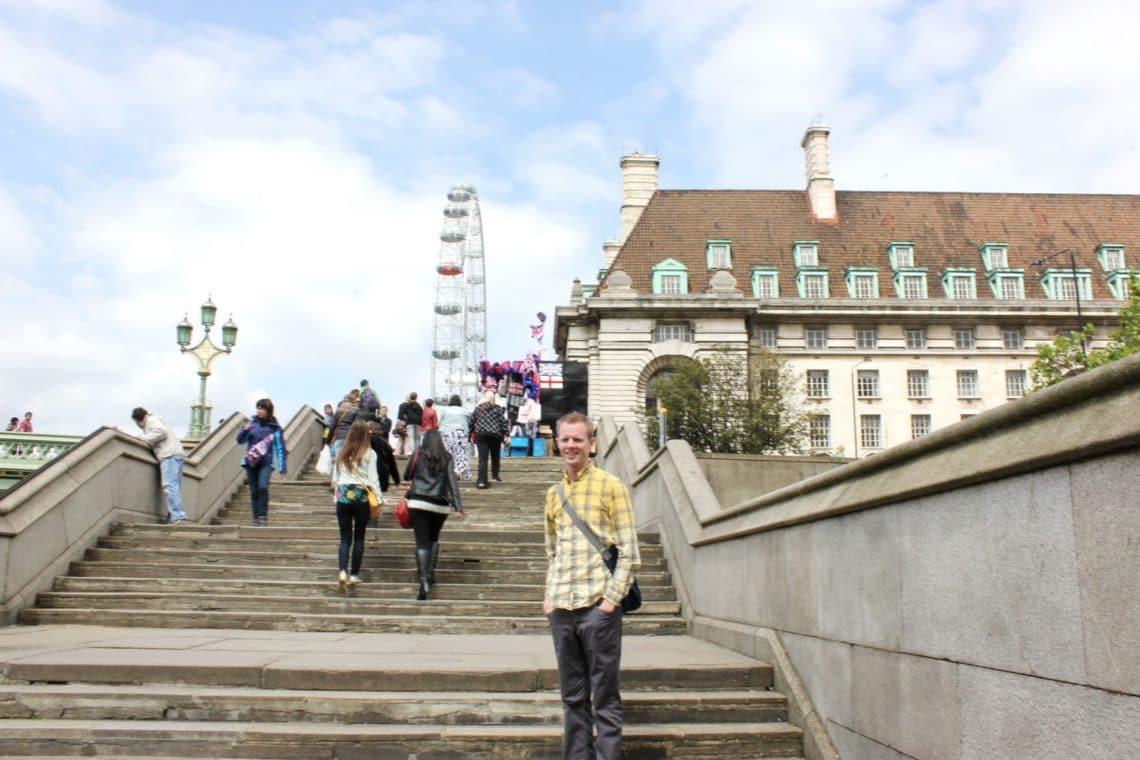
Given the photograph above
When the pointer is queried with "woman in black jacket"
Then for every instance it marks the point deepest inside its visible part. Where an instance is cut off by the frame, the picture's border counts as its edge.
(433, 494)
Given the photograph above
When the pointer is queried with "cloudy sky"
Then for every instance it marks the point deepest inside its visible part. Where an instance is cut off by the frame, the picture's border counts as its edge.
(293, 158)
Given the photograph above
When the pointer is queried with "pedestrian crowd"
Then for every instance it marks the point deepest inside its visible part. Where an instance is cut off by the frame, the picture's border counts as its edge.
(587, 581)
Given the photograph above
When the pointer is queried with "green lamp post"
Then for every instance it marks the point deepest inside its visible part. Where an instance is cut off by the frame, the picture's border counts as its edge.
(205, 351)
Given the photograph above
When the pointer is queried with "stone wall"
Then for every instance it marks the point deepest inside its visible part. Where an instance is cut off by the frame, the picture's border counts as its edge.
(52, 518)
(970, 595)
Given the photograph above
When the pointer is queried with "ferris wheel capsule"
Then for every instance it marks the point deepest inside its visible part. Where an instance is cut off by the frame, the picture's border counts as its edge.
(455, 211)
(453, 236)
(458, 194)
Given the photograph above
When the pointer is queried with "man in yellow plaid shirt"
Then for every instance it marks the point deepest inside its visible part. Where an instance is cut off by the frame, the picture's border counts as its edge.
(583, 599)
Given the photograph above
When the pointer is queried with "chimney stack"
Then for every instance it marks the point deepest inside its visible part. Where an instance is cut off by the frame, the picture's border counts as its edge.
(638, 183)
(820, 185)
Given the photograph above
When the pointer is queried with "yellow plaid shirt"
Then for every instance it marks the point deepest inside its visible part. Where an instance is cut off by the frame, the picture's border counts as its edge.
(576, 576)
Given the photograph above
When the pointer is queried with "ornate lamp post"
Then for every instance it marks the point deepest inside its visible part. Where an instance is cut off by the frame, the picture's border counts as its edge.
(205, 351)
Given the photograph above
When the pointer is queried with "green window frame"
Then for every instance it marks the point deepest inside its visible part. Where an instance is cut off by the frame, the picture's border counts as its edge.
(714, 247)
(951, 276)
(998, 280)
(669, 268)
(805, 253)
(1111, 257)
(1118, 282)
(995, 256)
(802, 276)
(769, 274)
(1051, 281)
(900, 279)
(853, 280)
(901, 255)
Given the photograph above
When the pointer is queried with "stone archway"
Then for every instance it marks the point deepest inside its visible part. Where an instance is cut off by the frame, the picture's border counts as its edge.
(659, 367)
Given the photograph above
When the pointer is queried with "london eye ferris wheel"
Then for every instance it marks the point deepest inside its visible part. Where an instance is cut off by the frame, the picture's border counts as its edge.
(459, 326)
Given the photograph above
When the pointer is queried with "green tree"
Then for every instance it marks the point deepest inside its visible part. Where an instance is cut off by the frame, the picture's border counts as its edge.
(724, 403)
(1066, 355)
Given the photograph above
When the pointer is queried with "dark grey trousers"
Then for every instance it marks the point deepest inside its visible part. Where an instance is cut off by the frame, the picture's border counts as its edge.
(587, 643)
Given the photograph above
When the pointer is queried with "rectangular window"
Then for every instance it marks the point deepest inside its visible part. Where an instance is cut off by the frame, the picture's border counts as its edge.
(870, 431)
(904, 256)
(914, 286)
(1011, 288)
(1014, 383)
(964, 338)
(865, 286)
(1066, 288)
(1011, 339)
(967, 383)
(670, 284)
(673, 331)
(915, 338)
(867, 385)
(919, 425)
(962, 286)
(998, 257)
(918, 383)
(807, 255)
(818, 383)
(719, 255)
(821, 431)
(767, 337)
(815, 286)
(865, 337)
(815, 337)
(764, 284)
(1113, 259)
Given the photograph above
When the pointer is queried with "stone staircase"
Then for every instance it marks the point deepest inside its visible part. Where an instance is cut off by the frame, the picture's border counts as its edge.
(229, 640)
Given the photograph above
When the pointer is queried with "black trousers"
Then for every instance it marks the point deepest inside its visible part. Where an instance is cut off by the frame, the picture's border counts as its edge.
(426, 525)
(587, 643)
(386, 467)
(488, 445)
(353, 522)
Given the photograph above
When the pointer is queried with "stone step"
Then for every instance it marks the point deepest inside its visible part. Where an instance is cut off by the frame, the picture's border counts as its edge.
(184, 702)
(401, 544)
(136, 566)
(388, 532)
(637, 623)
(146, 581)
(332, 604)
(201, 739)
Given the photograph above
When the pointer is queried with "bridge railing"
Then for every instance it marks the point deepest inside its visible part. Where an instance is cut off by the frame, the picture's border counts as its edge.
(24, 453)
(966, 590)
(50, 519)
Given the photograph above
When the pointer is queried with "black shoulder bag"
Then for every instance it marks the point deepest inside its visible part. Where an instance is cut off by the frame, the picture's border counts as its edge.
(632, 600)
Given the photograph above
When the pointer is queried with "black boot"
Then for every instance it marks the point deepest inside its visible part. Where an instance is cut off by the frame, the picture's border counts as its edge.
(434, 549)
(423, 568)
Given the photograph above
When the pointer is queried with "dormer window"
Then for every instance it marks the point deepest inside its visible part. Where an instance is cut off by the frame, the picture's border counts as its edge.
(807, 253)
(718, 254)
(765, 282)
(670, 278)
(1111, 256)
(1067, 284)
(958, 284)
(995, 256)
(862, 282)
(901, 255)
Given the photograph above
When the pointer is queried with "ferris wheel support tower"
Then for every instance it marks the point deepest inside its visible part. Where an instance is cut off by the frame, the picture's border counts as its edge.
(459, 322)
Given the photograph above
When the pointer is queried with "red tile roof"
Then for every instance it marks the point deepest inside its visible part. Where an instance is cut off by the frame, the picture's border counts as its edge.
(947, 230)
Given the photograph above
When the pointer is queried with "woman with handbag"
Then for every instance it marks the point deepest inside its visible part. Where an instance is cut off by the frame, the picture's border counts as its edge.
(264, 451)
(454, 428)
(354, 473)
(490, 423)
(433, 494)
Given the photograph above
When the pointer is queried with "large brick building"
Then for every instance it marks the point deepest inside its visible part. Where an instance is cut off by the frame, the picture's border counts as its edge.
(903, 312)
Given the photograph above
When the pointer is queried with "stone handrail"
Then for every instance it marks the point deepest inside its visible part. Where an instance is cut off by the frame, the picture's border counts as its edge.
(51, 518)
(943, 598)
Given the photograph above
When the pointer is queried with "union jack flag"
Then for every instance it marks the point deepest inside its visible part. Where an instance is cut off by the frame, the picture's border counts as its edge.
(550, 375)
